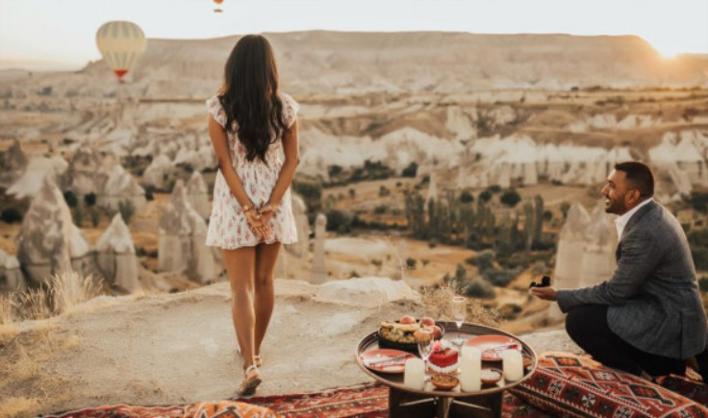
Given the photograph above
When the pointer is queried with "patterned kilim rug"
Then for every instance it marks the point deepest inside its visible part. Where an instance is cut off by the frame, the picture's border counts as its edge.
(361, 401)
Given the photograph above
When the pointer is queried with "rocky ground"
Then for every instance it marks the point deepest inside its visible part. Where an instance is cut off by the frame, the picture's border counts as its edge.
(178, 348)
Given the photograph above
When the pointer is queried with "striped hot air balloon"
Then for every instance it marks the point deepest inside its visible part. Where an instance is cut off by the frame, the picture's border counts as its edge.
(121, 43)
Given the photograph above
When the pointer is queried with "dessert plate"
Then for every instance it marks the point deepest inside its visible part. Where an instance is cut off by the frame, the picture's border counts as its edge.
(385, 360)
(492, 346)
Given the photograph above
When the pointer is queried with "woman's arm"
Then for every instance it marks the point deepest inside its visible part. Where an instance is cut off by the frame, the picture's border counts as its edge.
(287, 172)
(221, 148)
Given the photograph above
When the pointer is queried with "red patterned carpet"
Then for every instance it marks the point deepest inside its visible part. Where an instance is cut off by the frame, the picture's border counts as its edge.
(361, 401)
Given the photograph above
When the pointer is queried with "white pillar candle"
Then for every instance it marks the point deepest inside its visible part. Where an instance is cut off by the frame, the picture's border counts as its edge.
(471, 369)
(414, 373)
(513, 365)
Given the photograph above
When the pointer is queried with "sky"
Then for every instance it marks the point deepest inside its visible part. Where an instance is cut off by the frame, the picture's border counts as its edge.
(61, 33)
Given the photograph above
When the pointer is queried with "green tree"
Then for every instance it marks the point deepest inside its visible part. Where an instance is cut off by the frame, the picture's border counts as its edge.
(71, 200)
(538, 220)
(528, 225)
(411, 170)
(510, 198)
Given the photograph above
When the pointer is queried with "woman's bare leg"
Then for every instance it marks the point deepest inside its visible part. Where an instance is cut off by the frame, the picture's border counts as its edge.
(266, 255)
(240, 267)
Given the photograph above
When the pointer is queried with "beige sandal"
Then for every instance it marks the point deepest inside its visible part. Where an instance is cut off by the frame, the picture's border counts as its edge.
(251, 380)
(258, 361)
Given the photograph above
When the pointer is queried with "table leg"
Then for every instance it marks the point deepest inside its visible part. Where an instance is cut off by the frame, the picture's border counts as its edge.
(488, 406)
(443, 409)
(406, 405)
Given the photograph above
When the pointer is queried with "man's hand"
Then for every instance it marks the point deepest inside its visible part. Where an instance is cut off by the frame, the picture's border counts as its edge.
(545, 293)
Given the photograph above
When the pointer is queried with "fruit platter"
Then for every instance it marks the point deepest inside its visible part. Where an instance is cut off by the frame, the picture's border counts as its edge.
(401, 334)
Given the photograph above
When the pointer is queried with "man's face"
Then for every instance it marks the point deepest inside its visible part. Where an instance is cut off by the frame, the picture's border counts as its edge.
(619, 197)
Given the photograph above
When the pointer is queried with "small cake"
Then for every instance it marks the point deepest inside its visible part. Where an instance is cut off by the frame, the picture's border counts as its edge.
(443, 360)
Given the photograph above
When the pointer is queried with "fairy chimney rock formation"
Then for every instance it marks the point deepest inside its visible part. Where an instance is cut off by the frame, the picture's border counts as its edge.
(121, 186)
(198, 194)
(11, 279)
(116, 255)
(301, 247)
(49, 242)
(182, 236)
(14, 162)
(571, 247)
(319, 269)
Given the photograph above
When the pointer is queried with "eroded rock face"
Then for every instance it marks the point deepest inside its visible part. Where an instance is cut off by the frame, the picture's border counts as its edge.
(85, 173)
(115, 255)
(198, 194)
(182, 236)
(159, 172)
(13, 163)
(48, 241)
(586, 250)
(121, 186)
(301, 247)
(319, 269)
(11, 278)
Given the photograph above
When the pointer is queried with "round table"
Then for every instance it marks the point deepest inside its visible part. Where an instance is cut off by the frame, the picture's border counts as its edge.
(411, 403)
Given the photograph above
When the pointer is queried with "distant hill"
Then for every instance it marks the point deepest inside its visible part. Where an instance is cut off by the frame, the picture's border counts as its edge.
(324, 61)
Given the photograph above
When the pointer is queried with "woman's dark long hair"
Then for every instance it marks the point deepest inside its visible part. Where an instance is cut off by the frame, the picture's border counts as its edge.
(250, 95)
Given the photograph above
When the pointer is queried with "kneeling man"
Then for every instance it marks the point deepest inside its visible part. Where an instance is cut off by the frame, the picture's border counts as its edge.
(648, 317)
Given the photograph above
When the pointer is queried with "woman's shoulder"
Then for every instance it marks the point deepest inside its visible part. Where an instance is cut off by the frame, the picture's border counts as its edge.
(216, 110)
(290, 107)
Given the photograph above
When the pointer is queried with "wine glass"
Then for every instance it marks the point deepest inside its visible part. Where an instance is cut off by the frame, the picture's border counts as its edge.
(459, 313)
(424, 338)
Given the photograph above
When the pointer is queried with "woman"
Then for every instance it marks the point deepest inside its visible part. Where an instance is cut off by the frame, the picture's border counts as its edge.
(253, 130)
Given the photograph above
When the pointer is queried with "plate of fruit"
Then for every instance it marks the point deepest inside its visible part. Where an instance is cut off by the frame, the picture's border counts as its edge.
(400, 335)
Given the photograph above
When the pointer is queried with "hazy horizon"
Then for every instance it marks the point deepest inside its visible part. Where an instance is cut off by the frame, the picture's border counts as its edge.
(61, 33)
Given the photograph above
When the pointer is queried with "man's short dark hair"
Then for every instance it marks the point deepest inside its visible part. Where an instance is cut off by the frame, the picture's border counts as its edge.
(639, 174)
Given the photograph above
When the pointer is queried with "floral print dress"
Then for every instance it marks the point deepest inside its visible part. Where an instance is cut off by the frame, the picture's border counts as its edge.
(228, 228)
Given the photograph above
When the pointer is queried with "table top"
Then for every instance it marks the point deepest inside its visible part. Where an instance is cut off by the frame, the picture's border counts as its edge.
(370, 342)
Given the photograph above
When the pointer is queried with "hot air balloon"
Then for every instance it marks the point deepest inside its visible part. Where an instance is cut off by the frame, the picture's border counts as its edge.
(121, 43)
(217, 8)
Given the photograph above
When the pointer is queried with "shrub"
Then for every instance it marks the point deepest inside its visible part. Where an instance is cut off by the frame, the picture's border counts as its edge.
(95, 216)
(334, 170)
(484, 260)
(338, 221)
(410, 263)
(11, 215)
(383, 191)
(500, 278)
(703, 284)
(495, 188)
(700, 257)
(308, 190)
(479, 288)
(486, 196)
(411, 170)
(466, 197)
(381, 209)
(90, 199)
(699, 201)
(510, 198)
(71, 199)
